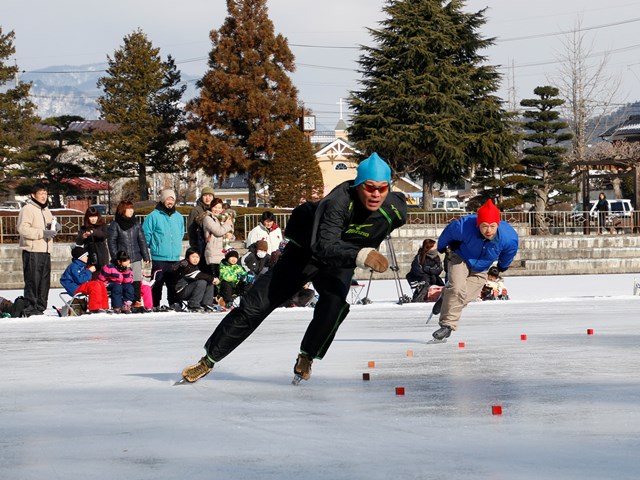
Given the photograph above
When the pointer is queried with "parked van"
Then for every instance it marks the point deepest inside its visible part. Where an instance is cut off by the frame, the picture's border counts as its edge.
(618, 207)
(447, 204)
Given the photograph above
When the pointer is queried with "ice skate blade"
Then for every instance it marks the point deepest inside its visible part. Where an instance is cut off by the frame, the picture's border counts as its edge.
(182, 381)
(296, 380)
(433, 341)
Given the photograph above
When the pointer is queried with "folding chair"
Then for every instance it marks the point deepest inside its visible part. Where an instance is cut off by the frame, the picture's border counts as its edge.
(355, 292)
(74, 305)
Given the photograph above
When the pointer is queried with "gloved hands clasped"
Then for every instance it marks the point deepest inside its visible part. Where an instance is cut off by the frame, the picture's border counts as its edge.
(48, 234)
(371, 258)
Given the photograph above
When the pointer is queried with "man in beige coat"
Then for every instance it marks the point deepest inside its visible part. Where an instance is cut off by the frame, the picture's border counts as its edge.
(37, 229)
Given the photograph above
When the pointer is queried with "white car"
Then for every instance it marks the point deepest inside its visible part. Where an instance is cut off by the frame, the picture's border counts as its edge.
(447, 204)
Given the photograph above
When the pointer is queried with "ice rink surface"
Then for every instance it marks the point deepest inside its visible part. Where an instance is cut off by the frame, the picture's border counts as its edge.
(92, 396)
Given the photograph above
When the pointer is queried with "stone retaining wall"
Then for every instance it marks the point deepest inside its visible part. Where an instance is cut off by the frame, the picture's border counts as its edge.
(538, 255)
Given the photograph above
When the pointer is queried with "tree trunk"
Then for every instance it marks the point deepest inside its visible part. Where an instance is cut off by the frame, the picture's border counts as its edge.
(427, 192)
(142, 181)
(251, 184)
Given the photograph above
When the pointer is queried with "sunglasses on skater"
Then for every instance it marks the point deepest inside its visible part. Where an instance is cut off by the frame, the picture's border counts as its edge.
(372, 188)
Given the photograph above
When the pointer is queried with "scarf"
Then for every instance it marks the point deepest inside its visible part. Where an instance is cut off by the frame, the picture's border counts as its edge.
(125, 222)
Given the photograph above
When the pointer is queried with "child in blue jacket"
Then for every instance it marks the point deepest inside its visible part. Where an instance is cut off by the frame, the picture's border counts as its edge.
(78, 278)
(475, 243)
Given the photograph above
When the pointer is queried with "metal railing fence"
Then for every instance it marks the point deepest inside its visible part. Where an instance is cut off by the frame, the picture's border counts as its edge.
(527, 223)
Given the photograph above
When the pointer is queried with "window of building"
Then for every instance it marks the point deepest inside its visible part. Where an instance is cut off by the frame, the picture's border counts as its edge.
(341, 166)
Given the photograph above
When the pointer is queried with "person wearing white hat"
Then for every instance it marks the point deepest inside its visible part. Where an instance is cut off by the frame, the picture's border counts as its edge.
(164, 231)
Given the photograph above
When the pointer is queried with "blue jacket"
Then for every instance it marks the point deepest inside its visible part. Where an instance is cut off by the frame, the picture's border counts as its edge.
(75, 275)
(164, 234)
(464, 238)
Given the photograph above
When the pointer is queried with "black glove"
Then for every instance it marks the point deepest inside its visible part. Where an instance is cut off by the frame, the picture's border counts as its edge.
(501, 269)
(47, 234)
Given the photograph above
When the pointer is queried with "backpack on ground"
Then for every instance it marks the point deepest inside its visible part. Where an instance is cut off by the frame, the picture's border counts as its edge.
(20, 308)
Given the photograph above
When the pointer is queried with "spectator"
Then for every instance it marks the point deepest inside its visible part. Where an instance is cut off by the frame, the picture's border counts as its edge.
(93, 237)
(256, 261)
(602, 207)
(119, 280)
(426, 268)
(37, 228)
(125, 234)
(194, 228)
(192, 285)
(267, 230)
(215, 231)
(164, 230)
(232, 279)
(78, 278)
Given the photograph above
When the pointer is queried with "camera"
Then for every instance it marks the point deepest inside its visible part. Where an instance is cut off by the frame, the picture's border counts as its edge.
(93, 259)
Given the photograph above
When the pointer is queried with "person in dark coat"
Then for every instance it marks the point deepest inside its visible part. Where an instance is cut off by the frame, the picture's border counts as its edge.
(125, 234)
(426, 268)
(256, 261)
(93, 238)
(194, 227)
(327, 241)
(192, 285)
(602, 207)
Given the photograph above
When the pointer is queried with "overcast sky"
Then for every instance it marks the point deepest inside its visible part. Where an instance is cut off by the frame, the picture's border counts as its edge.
(74, 32)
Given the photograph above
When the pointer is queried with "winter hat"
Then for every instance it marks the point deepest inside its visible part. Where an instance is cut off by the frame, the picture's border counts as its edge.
(262, 245)
(488, 213)
(230, 253)
(168, 193)
(78, 252)
(373, 168)
(207, 191)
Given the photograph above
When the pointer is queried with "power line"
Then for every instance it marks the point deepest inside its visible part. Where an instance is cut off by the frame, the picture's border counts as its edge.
(565, 32)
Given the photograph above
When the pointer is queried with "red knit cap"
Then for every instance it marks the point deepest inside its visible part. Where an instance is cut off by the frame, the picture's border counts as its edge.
(488, 213)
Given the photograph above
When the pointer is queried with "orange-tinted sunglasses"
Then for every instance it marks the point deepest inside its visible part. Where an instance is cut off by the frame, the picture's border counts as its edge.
(372, 188)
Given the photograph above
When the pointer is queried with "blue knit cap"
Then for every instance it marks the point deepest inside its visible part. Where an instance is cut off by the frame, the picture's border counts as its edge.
(373, 168)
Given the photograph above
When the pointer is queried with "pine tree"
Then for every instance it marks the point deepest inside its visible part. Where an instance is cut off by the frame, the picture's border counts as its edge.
(141, 95)
(428, 102)
(47, 158)
(246, 98)
(294, 176)
(17, 113)
(549, 176)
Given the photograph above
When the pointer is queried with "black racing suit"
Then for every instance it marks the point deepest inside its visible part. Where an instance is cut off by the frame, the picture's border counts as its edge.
(324, 240)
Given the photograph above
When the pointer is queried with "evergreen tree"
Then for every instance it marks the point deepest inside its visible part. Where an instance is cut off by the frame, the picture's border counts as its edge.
(428, 102)
(294, 175)
(141, 95)
(47, 158)
(246, 98)
(548, 175)
(17, 113)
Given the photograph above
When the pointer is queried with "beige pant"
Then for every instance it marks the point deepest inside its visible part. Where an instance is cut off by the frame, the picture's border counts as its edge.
(463, 287)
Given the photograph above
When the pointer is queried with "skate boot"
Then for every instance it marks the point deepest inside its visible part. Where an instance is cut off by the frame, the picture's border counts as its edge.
(302, 369)
(195, 372)
(442, 333)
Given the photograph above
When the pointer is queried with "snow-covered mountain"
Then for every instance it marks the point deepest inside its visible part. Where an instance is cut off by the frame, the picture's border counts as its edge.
(72, 89)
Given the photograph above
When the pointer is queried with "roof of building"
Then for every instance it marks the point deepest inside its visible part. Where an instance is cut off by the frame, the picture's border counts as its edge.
(629, 128)
(86, 183)
(83, 126)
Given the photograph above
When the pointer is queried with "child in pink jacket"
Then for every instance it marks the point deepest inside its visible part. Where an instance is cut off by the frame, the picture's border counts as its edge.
(119, 279)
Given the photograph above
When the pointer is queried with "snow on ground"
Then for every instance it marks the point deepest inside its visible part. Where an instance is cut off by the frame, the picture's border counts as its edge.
(92, 396)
